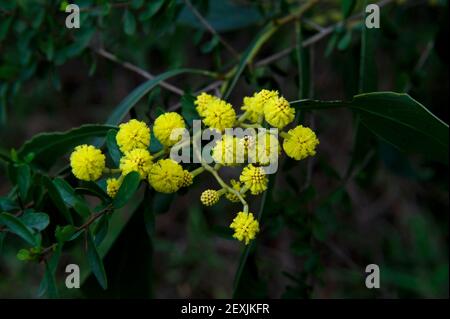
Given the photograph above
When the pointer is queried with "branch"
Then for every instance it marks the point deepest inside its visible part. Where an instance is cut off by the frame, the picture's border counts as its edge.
(127, 65)
(210, 28)
(315, 38)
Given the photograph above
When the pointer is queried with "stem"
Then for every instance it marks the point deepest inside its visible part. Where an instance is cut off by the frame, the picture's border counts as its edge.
(197, 171)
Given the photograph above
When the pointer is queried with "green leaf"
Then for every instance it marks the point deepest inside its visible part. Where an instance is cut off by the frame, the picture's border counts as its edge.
(101, 229)
(7, 205)
(35, 220)
(52, 291)
(127, 189)
(112, 146)
(16, 226)
(128, 263)
(248, 55)
(65, 233)
(130, 101)
(48, 146)
(162, 202)
(151, 9)
(129, 23)
(93, 188)
(347, 7)
(23, 180)
(396, 118)
(344, 41)
(210, 45)
(188, 110)
(70, 198)
(95, 262)
(56, 198)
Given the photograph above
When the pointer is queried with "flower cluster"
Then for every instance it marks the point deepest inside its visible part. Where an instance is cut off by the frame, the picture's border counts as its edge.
(253, 152)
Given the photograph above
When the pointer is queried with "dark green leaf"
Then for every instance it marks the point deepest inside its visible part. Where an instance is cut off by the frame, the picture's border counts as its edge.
(56, 198)
(129, 23)
(128, 263)
(65, 233)
(16, 226)
(48, 146)
(151, 9)
(70, 198)
(347, 7)
(248, 56)
(35, 220)
(7, 205)
(127, 189)
(113, 149)
(130, 101)
(96, 263)
(52, 291)
(398, 119)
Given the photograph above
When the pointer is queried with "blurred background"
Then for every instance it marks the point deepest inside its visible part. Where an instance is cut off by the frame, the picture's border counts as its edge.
(320, 230)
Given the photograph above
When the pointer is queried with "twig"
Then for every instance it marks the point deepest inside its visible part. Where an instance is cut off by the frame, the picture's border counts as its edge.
(313, 39)
(108, 55)
(209, 27)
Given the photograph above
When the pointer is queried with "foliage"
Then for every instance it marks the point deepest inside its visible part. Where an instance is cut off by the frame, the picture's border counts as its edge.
(47, 216)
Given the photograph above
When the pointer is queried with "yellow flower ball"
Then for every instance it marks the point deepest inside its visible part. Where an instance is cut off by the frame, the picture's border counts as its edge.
(202, 101)
(137, 160)
(231, 196)
(133, 134)
(278, 112)
(228, 152)
(264, 150)
(112, 186)
(300, 142)
(264, 95)
(166, 176)
(219, 115)
(187, 180)
(209, 197)
(255, 110)
(87, 162)
(165, 124)
(245, 227)
(254, 106)
(254, 179)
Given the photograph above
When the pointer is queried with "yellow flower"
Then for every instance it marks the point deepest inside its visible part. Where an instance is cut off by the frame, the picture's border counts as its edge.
(209, 197)
(255, 110)
(231, 196)
(137, 160)
(166, 176)
(264, 150)
(133, 134)
(254, 179)
(254, 106)
(187, 179)
(300, 142)
(202, 101)
(165, 124)
(219, 115)
(245, 227)
(278, 112)
(87, 162)
(227, 151)
(112, 186)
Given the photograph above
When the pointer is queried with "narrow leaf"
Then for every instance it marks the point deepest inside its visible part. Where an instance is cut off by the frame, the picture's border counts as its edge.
(95, 262)
(127, 189)
(17, 226)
